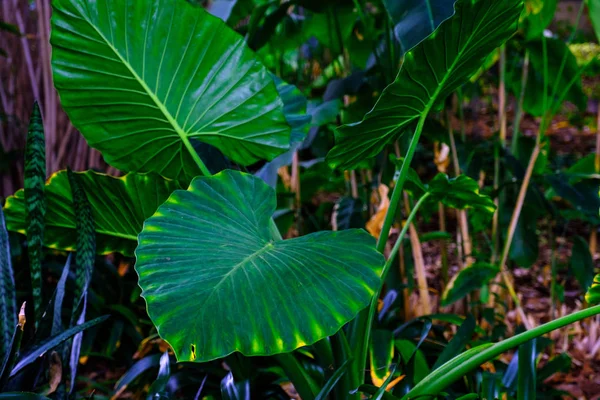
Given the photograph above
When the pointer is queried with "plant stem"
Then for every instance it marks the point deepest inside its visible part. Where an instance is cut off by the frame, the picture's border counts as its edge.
(441, 378)
(417, 254)
(397, 192)
(196, 157)
(362, 357)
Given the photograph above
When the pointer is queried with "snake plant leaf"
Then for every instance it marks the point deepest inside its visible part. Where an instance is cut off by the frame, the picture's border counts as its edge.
(141, 79)
(35, 200)
(593, 294)
(414, 20)
(216, 281)
(430, 72)
(8, 302)
(119, 208)
(86, 236)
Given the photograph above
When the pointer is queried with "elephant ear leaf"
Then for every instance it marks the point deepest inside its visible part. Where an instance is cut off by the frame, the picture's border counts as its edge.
(142, 80)
(430, 72)
(208, 260)
(415, 20)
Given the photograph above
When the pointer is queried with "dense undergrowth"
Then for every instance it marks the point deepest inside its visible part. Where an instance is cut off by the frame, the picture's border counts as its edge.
(316, 200)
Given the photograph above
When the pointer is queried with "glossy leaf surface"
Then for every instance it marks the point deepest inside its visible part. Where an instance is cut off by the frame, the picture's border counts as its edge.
(141, 79)
(414, 20)
(208, 262)
(431, 71)
(119, 207)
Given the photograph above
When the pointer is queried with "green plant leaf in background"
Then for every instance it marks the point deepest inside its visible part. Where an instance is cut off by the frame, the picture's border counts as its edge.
(141, 80)
(539, 14)
(592, 295)
(35, 200)
(556, 49)
(467, 280)
(581, 263)
(119, 207)
(431, 71)
(414, 20)
(460, 192)
(594, 13)
(207, 261)
(8, 302)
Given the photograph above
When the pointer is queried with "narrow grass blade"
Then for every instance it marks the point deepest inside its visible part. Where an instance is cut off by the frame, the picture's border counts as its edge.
(527, 371)
(333, 380)
(54, 341)
(35, 199)
(8, 306)
(15, 344)
(57, 325)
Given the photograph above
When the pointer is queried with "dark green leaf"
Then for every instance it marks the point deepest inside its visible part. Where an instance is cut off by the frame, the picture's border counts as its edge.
(460, 192)
(539, 15)
(581, 263)
(527, 371)
(211, 249)
(138, 369)
(52, 342)
(8, 302)
(14, 345)
(6, 27)
(333, 380)
(35, 200)
(119, 207)
(170, 73)
(381, 355)
(467, 280)
(348, 213)
(594, 13)
(459, 341)
(426, 78)
(414, 20)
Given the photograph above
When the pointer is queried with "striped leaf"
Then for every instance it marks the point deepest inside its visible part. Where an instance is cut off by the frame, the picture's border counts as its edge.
(35, 200)
(217, 279)
(86, 236)
(8, 305)
(84, 260)
(119, 207)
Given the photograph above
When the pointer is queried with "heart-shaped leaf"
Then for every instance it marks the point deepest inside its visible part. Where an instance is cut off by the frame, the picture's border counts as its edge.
(430, 72)
(216, 281)
(119, 208)
(142, 80)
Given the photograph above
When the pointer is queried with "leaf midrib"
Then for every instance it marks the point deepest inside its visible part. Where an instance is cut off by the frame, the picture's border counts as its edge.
(180, 132)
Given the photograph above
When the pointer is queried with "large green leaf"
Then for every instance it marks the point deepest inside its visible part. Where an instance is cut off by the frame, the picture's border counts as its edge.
(460, 192)
(431, 71)
(119, 207)
(142, 80)
(414, 20)
(539, 15)
(215, 281)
